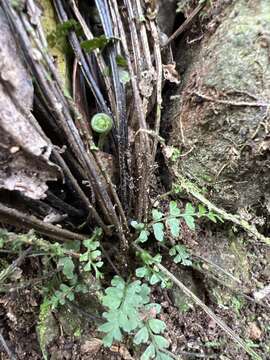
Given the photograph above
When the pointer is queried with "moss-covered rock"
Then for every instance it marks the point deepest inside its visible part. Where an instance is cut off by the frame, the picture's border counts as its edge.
(230, 150)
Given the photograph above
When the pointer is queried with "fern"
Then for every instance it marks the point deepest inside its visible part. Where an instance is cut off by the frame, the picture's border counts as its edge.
(170, 223)
(150, 272)
(123, 302)
(92, 256)
(181, 255)
(150, 333)
(129, 311)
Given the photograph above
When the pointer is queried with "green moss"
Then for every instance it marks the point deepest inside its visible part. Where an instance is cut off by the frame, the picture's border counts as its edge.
(70, 321)
(241, 269)
(47, 329)
(236, 51)
(49, 23)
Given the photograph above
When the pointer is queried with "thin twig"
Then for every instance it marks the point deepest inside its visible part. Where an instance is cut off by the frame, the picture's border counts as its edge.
(6, 348)
(186, 24)
(158, 62)
(232, 103)
(6, 273)
(143, 148)
(107, 256)
(218, 268)
(207, 310)
(100, 60)
(192, 189)
(189, 354)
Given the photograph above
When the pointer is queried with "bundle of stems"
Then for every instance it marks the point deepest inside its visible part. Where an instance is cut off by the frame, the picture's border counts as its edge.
(132, 36)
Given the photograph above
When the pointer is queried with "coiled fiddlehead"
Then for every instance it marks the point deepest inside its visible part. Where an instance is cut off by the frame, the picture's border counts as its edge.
(102, 124)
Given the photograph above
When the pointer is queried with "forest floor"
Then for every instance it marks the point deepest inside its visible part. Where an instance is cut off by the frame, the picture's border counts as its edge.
(227, 266)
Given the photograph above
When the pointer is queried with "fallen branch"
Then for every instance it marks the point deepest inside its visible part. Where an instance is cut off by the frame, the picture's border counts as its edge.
(18, 218)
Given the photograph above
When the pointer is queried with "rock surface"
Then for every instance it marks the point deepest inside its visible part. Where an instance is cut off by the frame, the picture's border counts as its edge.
(229, 143)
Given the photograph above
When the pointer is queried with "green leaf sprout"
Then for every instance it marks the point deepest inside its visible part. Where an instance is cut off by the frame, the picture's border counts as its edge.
(102, 124)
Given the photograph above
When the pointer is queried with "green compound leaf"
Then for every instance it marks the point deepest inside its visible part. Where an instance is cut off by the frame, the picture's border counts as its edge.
(154, 279)
(141, 272)
(157, 259)
(112, 329)
(174, 211)
(142, 336)
(149, 353)
(189, 210)
(145, 293)
(157, 326)
(189, 216)
(60, 296)
(81, 288)
(181, 255)
(136, 225)
(121, 61)
(124, 76)
(163, 356)
(189, 219)
(67, 266)
(90, 244)
(214, 217)
(161, 342)
(113, 298)
(88, 266)
(156, 307)
(157, 215)
(84, 256)
(202, 210)
(158, 231)
(123, 301)
(95, 254)
(72, 245)
(143, 237)
(174, 225)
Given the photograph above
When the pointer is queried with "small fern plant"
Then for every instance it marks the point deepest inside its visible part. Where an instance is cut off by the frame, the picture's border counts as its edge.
(150, 271)
(67, 264)
(170, 222)
(129, 311)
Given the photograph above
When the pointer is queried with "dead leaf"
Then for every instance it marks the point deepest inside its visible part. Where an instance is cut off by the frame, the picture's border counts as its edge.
(91, 346)
(123, 351)
(254, 332)
(168, 151)
(170, 73)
